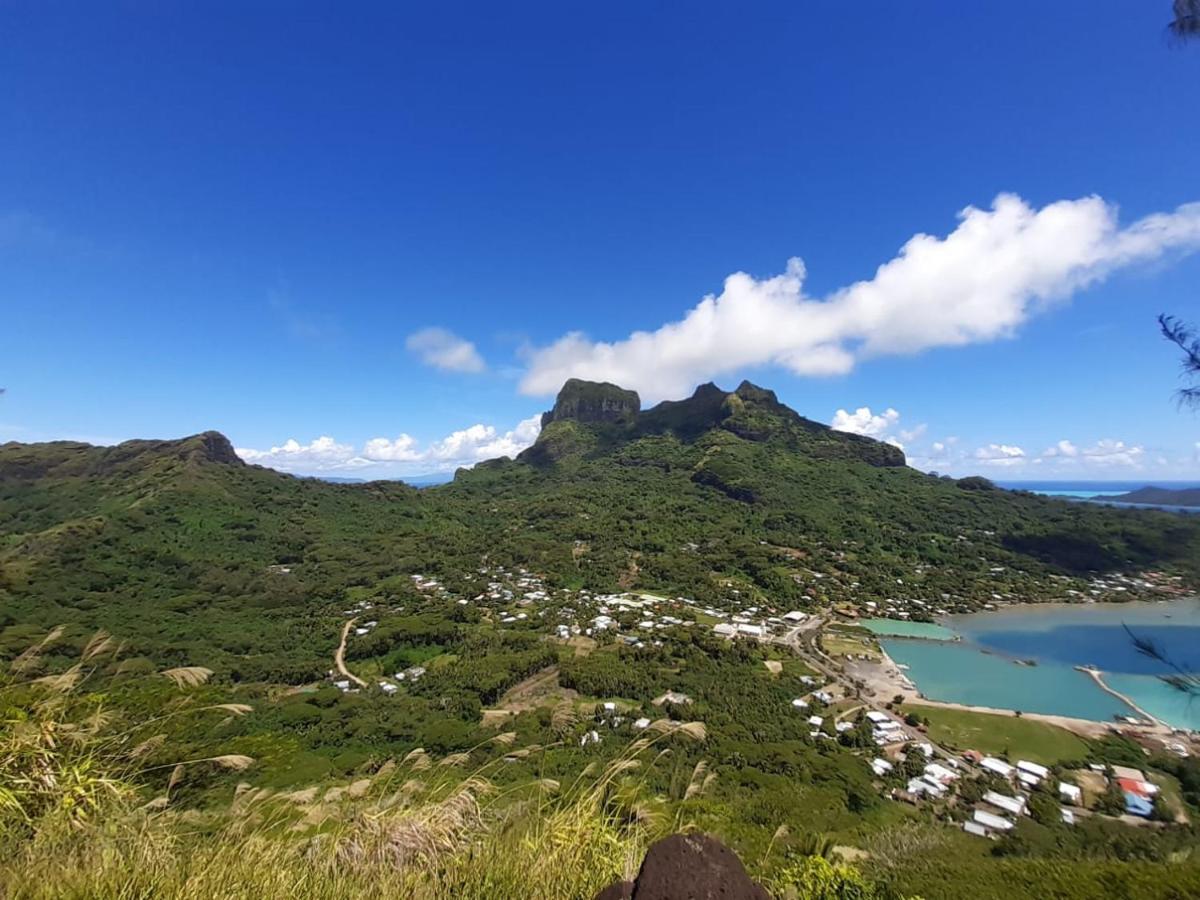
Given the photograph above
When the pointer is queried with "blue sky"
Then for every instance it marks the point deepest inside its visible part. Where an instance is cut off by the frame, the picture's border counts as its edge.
(249, 217)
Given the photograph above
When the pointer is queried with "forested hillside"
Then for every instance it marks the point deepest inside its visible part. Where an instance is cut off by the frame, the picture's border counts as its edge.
(495, 627)
(180, 547)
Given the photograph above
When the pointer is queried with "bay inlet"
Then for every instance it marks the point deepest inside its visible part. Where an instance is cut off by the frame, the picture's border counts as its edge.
(1025, 658)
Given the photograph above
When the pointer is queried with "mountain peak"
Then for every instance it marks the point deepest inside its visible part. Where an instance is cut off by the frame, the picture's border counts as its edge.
(750, 412)
(747, 390)
(212, 446)
(206, 447)
(593, 401)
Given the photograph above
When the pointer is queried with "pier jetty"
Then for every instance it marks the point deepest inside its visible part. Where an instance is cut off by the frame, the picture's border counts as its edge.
(1098, 677)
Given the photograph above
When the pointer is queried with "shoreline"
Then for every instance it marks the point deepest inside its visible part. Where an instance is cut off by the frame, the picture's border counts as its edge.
(885, 679)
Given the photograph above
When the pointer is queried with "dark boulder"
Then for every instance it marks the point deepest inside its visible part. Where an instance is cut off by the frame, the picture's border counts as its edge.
(688, 867)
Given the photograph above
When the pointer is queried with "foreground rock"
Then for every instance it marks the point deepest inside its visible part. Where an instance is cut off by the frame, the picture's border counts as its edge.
(688, 867)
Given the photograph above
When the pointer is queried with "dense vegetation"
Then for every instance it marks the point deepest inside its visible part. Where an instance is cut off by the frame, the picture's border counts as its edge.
(194, 559)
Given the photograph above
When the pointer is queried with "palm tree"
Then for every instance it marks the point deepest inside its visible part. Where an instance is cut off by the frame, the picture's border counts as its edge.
(1186, 24)
(1185, 338)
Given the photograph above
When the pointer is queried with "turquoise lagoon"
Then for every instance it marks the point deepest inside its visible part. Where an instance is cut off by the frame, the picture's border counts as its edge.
(898, 628)
(983, 669)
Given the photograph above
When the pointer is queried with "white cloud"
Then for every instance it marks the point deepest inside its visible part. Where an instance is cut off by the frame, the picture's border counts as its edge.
(1000, 455)
(1110, 453)
(1064, 458)
(861, 421)
(402, 449)
(1063, 449)
(382, 456)
(981, 282)
(480, 442)
(1107, 453)
(320, 455)
(444, 349)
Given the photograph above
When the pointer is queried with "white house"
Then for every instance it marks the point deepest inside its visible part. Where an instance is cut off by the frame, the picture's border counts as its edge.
(1028, 779)
(1032, 768)
(923, 785)
(1013, 805)
(1070, 793)
(992, 822)
(940, 773)
(996, 766)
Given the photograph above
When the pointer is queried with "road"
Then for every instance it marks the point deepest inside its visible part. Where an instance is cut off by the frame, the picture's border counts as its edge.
(339, 655)
(804, 640)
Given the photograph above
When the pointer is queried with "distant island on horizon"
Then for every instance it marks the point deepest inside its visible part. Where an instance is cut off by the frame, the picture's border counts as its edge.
(1158, 496)
(415, 480)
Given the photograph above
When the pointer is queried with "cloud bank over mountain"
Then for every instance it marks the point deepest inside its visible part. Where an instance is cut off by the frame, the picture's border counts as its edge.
(993, 272)
(403, 454)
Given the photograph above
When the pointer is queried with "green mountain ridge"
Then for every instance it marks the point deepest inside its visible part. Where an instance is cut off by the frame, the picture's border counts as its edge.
(171, 543)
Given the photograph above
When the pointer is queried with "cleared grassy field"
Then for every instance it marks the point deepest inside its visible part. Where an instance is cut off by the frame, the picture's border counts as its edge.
(847, 642)
(1021, 738)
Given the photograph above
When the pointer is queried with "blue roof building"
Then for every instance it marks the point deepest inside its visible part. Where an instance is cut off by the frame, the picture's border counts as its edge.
(1137, 805)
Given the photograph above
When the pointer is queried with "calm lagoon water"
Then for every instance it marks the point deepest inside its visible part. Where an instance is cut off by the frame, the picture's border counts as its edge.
(898, 628)
(981, 669)
(961, 673)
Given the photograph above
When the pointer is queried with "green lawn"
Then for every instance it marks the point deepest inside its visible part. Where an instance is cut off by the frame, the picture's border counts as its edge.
(987, 733)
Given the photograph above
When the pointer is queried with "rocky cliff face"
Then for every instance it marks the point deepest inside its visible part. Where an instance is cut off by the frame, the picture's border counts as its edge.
(589, 402)
(750, 412)
(206, 447)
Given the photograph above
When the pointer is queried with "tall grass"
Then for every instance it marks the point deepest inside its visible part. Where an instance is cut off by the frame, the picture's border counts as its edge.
(78, 818)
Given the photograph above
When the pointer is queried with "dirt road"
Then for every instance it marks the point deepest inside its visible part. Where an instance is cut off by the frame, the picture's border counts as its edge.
(339, 655)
